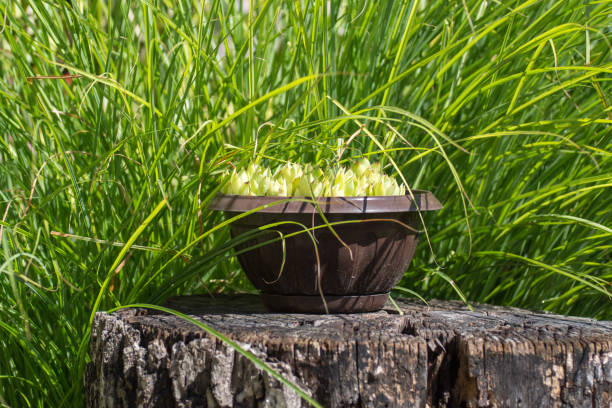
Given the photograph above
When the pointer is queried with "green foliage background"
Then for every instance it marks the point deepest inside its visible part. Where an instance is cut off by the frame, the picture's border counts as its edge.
(501, 108)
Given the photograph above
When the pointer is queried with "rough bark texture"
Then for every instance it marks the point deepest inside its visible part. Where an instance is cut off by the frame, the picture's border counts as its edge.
(441, 355)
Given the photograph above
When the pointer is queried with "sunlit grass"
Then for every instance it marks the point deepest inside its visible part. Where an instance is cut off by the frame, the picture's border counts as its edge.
(117, 118)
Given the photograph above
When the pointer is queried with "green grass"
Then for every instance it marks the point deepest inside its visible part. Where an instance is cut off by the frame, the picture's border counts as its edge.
(502, 108)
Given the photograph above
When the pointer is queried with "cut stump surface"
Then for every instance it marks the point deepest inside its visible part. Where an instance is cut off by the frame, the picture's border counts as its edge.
(441, 355)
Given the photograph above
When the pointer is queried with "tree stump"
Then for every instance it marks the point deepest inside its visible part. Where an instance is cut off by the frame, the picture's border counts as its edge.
(440, 355)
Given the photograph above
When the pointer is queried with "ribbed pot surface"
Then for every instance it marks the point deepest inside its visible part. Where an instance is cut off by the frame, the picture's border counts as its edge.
(355, 268)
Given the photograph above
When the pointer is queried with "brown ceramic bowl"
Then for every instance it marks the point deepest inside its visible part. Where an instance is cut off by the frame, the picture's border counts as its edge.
(382, 240)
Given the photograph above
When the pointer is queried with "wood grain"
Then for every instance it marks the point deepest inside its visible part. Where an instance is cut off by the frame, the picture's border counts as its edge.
(441, 355)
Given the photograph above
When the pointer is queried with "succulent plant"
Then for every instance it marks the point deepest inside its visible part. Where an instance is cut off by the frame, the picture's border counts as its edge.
(361, 179)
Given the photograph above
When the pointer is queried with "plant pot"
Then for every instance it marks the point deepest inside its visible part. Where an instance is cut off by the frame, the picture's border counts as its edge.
(356, 280)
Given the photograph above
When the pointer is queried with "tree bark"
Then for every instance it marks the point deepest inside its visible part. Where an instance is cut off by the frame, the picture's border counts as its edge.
(441, 355)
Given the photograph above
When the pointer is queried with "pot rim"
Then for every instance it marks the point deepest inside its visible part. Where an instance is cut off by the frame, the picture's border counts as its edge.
(424, 201)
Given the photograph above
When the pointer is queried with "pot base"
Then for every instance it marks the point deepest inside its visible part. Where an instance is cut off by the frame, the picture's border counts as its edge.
(314, 304)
